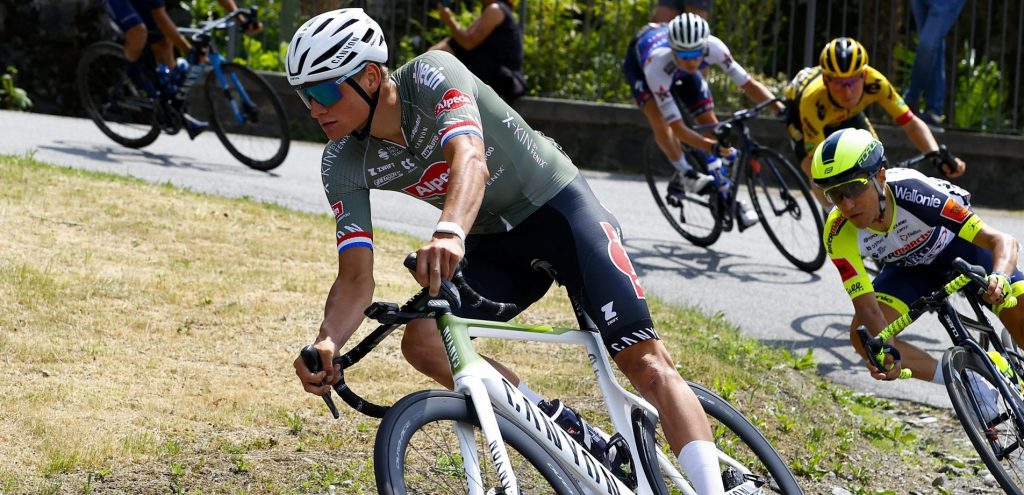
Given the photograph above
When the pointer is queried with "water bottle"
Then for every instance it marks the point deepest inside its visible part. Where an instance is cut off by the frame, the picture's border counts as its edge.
(165, 79)
(718, 169)
(180, 71)
(570, 421)
(191, 76)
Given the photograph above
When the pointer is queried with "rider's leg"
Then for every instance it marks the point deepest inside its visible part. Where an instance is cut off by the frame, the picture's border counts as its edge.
(667, 142)
(422, 348)
(163, 51)
(135, 42)
(648, 366)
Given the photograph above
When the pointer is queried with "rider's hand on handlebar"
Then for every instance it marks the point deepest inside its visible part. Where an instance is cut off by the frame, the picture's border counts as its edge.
(319, 383)
(891, 364)
(722, 151)
(997, 290)
(950, 168)
(438, 260)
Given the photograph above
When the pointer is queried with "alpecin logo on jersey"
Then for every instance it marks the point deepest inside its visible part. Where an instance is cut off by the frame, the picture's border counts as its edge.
(433, 182)
(451, 100)
(338, 209)
(846, 270)
(955, 211)
(617, 254)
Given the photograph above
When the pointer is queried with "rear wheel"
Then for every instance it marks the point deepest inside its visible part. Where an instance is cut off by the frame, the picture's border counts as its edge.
(248, 117)
(697, 217)
(994, 429)
(752, 460)
(122, 111)
(788, 211)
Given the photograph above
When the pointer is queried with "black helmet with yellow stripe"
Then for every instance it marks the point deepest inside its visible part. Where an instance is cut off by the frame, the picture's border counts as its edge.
(843, 57)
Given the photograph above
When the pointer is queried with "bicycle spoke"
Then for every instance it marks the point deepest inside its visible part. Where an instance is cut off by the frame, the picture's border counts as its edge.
(788, 211)
(247, 116)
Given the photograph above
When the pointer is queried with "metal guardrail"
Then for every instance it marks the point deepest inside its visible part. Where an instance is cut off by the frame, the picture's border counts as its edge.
(574, 47)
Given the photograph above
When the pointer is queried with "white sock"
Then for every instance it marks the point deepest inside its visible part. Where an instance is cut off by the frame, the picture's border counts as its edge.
(699, 460)
(681, 164)
(937, 377)
(530, 394)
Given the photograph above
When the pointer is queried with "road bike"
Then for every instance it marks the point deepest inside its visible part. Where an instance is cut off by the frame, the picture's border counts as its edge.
(995, 427)
(485, 437)
(243, 109)
(778, 191)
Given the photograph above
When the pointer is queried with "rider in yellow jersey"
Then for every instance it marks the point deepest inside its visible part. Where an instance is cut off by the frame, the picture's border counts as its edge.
(833, 96)
(914, 226)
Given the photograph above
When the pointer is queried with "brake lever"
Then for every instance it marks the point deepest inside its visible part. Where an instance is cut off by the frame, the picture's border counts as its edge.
(311, 359)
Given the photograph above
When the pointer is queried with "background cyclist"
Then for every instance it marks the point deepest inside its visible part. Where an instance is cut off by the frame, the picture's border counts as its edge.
(434, 131)
(833, 96)
(915, 226)
(147, 21)
(663, 58)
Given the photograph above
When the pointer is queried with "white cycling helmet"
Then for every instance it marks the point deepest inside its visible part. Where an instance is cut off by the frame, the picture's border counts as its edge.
(334, 44)
(688, 31)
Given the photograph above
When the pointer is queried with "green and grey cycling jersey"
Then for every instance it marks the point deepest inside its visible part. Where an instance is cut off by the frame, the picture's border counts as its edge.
(440, 99)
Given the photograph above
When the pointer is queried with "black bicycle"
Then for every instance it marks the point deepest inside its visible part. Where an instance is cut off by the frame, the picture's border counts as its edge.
(778, 191)
(243, 109)
(995, 427)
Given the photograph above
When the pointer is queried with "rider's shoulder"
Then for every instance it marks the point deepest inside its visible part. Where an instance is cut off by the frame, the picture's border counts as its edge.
(874, 76)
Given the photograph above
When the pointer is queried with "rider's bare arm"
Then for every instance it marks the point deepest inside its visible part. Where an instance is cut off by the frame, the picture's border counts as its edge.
(759, 93)
(468, 175)
(166, 25)
(1004, 250)
(350, 294)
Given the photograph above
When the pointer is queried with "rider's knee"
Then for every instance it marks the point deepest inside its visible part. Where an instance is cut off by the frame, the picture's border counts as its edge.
(421, 347)
(647, 365)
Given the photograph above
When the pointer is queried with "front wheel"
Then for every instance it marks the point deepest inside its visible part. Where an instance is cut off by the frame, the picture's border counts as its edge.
(247, 116)
(122, 110)
(748, 459)
(788, 211)
(417, 450)
(697, 217)
(988, 418)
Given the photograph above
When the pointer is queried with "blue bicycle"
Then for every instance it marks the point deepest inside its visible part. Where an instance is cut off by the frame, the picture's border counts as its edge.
(242, 108)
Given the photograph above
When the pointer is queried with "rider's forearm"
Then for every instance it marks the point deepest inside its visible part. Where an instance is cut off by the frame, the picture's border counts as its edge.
(343, 311)
(691, 138)
(920, 135)
(759, 93)
(167, 27)
(1004, 249)
(229, 5)
(467, 179)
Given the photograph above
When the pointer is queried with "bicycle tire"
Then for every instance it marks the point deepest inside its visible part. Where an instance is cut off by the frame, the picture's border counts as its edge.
(257, 136)
(789, 212)
(121, 111)
(417, 413)
(986, 437)
(698, 217)
(725, 417)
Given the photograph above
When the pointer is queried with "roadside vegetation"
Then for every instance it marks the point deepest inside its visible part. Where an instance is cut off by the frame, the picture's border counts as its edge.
(147, 335)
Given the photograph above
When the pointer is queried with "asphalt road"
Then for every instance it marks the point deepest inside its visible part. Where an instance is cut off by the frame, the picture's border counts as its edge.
(742, 276)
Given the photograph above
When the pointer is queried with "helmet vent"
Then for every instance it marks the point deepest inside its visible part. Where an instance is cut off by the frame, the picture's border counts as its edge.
(321, 26)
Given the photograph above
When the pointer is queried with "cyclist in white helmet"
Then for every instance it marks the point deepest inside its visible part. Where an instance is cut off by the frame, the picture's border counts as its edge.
(667, 58)
(508, 197)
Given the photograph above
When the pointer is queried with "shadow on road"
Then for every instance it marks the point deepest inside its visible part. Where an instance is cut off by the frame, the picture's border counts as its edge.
(650, 256)
(118, 155)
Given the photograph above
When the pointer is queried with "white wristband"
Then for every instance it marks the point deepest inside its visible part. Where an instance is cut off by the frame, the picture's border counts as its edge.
(451, 228)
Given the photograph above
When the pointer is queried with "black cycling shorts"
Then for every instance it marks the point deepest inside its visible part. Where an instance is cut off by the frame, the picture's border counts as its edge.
(579, 239)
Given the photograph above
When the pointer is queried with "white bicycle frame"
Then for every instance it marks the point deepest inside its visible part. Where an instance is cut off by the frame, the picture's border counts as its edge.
(488, 390)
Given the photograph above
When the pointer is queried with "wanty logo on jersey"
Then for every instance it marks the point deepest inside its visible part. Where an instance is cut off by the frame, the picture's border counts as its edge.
(617, 253)
(451, 100)
(433, 182)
